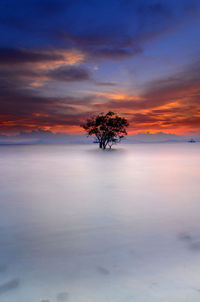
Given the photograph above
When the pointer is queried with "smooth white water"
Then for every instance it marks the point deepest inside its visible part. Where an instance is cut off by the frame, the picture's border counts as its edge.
(79, 224)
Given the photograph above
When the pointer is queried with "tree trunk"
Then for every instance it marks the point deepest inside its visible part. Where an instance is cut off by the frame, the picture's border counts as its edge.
(102, 145)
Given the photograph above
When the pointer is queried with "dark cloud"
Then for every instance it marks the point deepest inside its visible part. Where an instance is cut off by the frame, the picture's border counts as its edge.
(113, 53)
(69, 74)
(25, 109)
(131, 104)
(103, 271)
(140, 118)
(119, 28)
(36, 36)
(10, 285)
(181, 89)
(17, 73)
(10, 56)
(105, 84)
(108, 45)
(171, 102)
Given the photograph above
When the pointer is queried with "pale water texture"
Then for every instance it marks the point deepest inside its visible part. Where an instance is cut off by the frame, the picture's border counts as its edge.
(81, 225)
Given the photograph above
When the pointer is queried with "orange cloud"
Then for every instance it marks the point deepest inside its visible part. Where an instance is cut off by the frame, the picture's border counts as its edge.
(168, 105)
(62, 57)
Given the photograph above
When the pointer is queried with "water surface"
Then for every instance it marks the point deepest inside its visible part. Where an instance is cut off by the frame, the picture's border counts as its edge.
(81, 225)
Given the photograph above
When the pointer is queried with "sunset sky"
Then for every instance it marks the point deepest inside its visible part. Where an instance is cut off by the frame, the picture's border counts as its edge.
(64, 60)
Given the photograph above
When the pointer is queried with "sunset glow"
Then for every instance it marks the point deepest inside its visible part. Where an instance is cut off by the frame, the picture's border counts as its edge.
(142, 62)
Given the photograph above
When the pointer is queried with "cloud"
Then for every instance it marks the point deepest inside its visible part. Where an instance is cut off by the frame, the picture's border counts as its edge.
(168, 103)
(109, 46)
(133, 24)
(171, 103)
(69, 74)
(103, 271)
(119, 29)
(105, 83)
(31, 68)
(60, 47)
(10, 285)
(113, 53)
(9, 56)
(25, 109)
(39, 58)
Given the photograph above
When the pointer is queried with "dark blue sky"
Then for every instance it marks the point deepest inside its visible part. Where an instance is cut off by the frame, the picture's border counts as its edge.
(62, 60)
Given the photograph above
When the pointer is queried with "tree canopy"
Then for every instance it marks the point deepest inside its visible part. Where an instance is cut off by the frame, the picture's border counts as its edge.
(108, 128)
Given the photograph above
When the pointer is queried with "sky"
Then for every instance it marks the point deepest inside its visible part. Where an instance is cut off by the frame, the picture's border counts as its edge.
(62, 61)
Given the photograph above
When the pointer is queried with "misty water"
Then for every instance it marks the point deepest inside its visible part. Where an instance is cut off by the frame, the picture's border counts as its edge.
(79, 224)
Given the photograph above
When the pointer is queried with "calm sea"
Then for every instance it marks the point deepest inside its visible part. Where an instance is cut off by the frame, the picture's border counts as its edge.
(79, 224)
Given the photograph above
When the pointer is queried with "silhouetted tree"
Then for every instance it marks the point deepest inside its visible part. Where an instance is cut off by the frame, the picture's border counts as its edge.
(108, 128)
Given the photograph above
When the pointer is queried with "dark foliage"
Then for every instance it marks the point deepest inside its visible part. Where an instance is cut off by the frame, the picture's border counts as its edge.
(108, 128)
